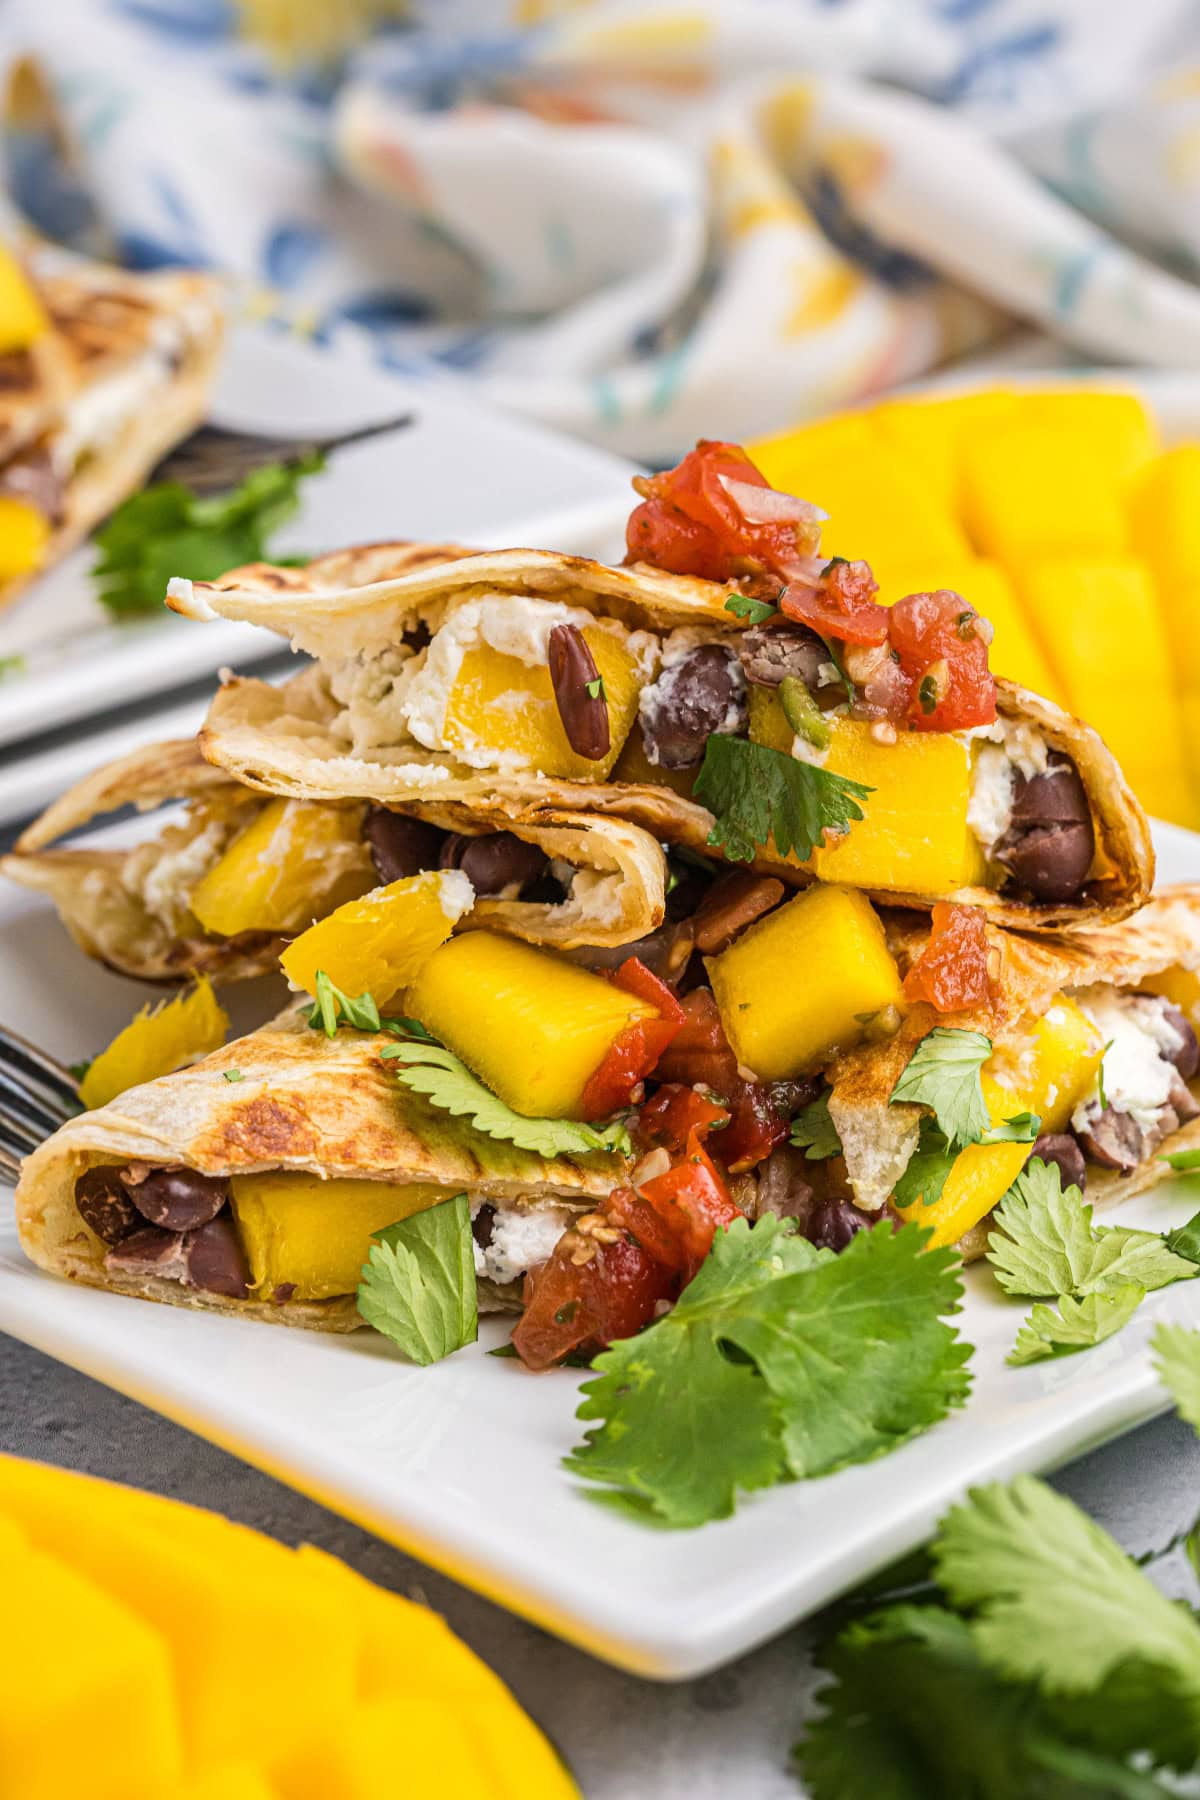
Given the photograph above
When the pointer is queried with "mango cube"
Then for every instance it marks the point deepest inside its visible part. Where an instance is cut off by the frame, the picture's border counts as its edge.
(1114, 420)
(313, 1235)
(1049, 1079)
(533, 1027)
(155, 1043)
(502, 703)
(804, 982)
(789, 458)
(424, 1739)
(378, 944)
(232, 1781)
(24, 535)
(1032, 488)
(1164, 514)
(292, 860)
(22, 317)
(914, 837)
(1180, 986)
(929, 431)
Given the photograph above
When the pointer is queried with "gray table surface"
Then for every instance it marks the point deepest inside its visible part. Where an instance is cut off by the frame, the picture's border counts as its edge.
(724, 1737)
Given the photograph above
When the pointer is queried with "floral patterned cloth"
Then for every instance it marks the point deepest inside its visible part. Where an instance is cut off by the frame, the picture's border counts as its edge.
(642, 220)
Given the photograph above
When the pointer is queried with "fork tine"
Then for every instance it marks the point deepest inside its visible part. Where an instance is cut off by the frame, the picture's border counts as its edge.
(18, 1131)
(42, 1071)
(41, 1114)
(10, 1163)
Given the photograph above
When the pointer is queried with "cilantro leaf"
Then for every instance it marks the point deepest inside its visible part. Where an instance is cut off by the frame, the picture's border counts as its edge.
(332, 1008)
(1077, 1325)
(758, 795)
(814, 1132)
(166, 530)
(447, 1083)
(943, 1074)
(847, 1357)
(418, 1283)
(595, 689)
(1177, 1359)
(233, 1075)
(752, 611)
(1054, 1601)
(1182, 1160)
(928, 1167)
(1047, 1244)
(1022, 1128)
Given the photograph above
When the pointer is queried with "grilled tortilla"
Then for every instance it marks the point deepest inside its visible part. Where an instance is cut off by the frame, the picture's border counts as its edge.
(129, 908)
(340, 729)
(324, 1107)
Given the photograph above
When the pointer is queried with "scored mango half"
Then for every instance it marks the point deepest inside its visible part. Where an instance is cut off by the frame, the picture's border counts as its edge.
(156, 1043)
(1047, 1075)
(271, 876)
(500, 704)
(914, 837)
(378, 944)
(806, 981)
(313, 1236)
(533, 1027)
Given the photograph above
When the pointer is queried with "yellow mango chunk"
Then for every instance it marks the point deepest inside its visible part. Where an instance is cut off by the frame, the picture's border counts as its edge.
(1164, 517)
(929, 431)
(22, 317)
(1181, 987)
(1114, 420)
(69, 1663)
(156, 1042)
(531, 1026)
(1014, 650)
(506, 704)
(422, 1736)
(232, 1781)
(24, 534)
(378, 944)
(294, 859)
(314, 1235)
(1032, 488)
(789, 458)
(914, 837)
(1048, 1078)
(804, 982)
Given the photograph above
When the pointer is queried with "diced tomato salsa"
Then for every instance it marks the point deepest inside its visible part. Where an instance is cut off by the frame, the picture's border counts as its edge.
(953, 971)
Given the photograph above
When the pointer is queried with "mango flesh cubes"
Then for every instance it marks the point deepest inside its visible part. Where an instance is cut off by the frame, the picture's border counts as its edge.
(291, 854)
(1048, 1078)
(378, 944)
(508, 706)
(157, 1041)
(313, 1236)
(22, 316)
(533, 1027)
(24, 535)
(804, 982)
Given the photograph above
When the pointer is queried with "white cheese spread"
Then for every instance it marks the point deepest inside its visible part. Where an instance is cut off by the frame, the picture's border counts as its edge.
(1137, 1074)
(1007, 748)
(522, 1237)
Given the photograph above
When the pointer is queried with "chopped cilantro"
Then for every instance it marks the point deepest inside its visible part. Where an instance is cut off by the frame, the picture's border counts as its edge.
(332, 1008)
(418, 1283)
(13, 665)
(814, 1132)
(928, 1167)
(233, 1075)
(927, 694)
(595, 689)
(753, 612)
(1101, 1095)
(758, 795)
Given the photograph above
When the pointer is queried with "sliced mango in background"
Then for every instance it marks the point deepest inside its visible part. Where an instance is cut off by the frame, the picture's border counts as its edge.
(1164, 514)
(1115, 421)
(314, 1235)
(1100, 624)
(156, 1042)
(929, 431)
(1035, 489)
(24, 534)
(791, 457)
(22, 315)
(376, 945)
(269, 877)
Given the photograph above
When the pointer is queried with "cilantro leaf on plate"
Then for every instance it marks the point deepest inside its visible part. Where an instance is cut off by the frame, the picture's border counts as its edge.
(1185, 1239)
(758, 795)
(166, 530)
(1077, 1325)
(1054, 1601)
(814, 1132)
(839, 1360)
(447, 1083)
(332, 1008)
(943, 1074)
(418, 1283)
(1177, 1359)
(1046, 1243)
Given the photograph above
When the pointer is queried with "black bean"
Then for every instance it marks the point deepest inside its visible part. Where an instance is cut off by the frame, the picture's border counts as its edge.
(216, 1262)
(1060, 1148)
(103, 1202)
(1050, 842)
(832, 1224)
(495, 861)
(1055, 797)
(400, 846)
(1181, 1104)
(783, 1188)
(1114, 1139)
(481, 1225)
(770, 652)
(179, 1199)
(1187, 1057)
(579, 693)
(702, 694)
(150, 1252)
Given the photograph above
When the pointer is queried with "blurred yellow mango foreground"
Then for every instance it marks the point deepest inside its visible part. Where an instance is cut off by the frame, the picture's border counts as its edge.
(156, 1652)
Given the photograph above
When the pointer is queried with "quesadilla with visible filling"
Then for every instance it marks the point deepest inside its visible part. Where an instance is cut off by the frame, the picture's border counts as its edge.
(776, 716)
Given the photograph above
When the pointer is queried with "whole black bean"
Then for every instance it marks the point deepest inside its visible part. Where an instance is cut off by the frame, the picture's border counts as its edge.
(400, 846)
(103, 1202)
(495, 861)
(832, 1224)
(1050, 842)
(481, 1225)
(701, 695)
(179, 1199)
(1060, 1148)
(579, 693)
(770, 652)
(1187, 1057)
(149, 1252)
(216, 1261)
(1114, 1139)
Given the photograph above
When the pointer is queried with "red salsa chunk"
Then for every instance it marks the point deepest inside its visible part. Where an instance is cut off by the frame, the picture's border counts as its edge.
(953, 972)
(716, 516)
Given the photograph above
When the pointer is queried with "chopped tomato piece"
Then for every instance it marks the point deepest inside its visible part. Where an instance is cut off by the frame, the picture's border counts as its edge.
(635, 1050)
(693, 1200)
(700, 1052)
(839, 605)
(627, 1209)
(573, 1306)
(953, 972)
(716, 516)
(675, 1112)
(756, 1127)
(942, 644)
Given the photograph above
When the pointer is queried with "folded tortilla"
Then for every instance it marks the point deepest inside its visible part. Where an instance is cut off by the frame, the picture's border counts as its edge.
(878, 1139)
(324, 1107)
(122, 375)
(129, 908)
(358, 604)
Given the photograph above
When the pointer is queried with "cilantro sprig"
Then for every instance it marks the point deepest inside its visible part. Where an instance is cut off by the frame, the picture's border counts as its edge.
(166, 530)
(943, 1074)
(814, 1132)
(750, 611)
(759, 796)
(331, 1008)
(418, 1283)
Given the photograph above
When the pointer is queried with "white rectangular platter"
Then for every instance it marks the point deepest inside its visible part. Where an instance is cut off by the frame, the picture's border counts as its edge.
(460, 1463)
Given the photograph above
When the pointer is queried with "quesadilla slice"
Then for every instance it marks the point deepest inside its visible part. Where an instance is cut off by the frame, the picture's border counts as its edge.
(226, 885)
(111, 370)
(768, 713)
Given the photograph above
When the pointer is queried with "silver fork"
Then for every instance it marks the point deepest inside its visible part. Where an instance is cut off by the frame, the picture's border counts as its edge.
(37, 1095)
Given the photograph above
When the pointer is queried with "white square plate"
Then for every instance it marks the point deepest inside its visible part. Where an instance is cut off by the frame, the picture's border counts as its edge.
(460, 1463)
